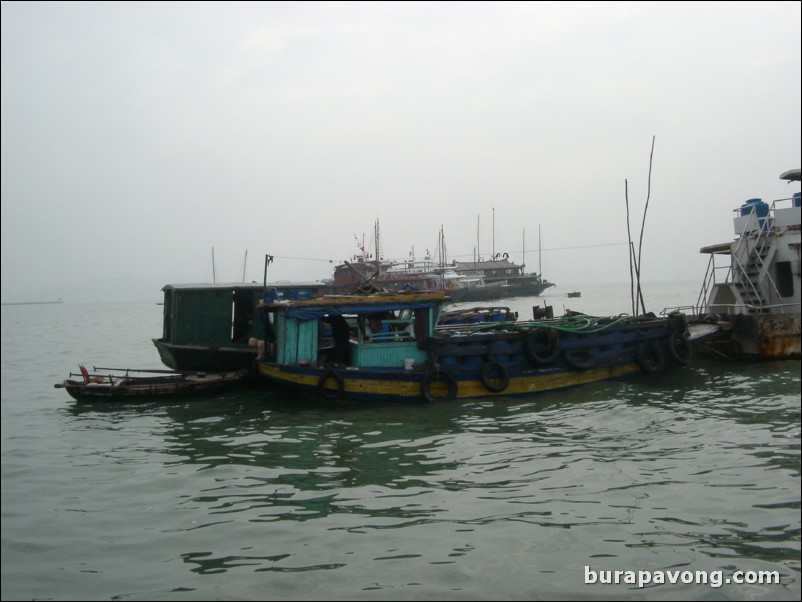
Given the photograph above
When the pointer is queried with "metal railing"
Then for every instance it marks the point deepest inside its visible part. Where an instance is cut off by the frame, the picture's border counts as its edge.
(752, 286)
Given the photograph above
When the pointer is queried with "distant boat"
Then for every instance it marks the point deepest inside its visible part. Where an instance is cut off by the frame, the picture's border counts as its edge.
(394, 346)
(160, 384)
(573, 294)
(462, 281)
(757, 304)
(507, 275)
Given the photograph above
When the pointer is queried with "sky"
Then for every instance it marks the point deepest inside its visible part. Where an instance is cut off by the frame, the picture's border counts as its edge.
(140, 140)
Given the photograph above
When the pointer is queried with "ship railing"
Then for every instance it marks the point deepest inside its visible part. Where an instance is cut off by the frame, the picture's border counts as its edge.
(736, 270)
(755, 246)
(692, 310)
(777, 308)
(732, 308)
(707, 284)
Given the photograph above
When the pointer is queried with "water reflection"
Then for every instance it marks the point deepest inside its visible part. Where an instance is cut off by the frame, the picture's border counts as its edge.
(704, 465)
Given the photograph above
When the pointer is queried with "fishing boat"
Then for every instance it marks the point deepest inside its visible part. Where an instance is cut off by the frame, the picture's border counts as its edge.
(394, 346)
(573, 294)
(94, 386)
(756, 303)
(212, 327)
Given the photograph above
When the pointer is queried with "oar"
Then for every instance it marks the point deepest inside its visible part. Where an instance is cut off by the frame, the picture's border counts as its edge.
(133, 370)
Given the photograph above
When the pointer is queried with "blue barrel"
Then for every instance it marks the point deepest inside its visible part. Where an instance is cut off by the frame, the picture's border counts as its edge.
(797, 199)
(761, 210)
(756, 205)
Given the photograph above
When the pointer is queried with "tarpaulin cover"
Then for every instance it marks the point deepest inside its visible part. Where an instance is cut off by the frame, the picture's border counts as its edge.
(301, 313)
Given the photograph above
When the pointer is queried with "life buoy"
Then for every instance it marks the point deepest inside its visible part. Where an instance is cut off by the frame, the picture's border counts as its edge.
(329, 393)
(650, 357)
(496, 383)
(438, 375)
(547, 337)
(583, 358)
(680, 348)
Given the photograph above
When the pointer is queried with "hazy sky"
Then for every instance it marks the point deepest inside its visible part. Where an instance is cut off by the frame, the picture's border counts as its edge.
(138, 136)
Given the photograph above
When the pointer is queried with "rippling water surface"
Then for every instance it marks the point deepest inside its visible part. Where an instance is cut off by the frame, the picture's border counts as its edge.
(259, 495)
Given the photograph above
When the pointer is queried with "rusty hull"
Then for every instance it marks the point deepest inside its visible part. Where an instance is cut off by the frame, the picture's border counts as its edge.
(765, 337)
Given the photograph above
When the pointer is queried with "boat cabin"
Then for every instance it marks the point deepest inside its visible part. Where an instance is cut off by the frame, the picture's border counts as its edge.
(209, 327)
(383, 330)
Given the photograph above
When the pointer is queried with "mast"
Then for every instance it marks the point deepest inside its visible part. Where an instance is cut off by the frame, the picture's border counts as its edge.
(214, 276)
(539, 253)
(443, 257)
(494, 233)
(478, 253)
(268, 261)
(377, 238)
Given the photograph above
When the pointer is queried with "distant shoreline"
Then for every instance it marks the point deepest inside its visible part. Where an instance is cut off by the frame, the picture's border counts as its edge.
(35, 302)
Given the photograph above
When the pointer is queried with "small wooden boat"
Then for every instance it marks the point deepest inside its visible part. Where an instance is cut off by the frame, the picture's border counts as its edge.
(161, 383)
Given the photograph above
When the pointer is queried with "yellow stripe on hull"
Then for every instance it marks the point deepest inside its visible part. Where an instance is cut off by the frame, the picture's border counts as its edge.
(522, 385)
(473, 388)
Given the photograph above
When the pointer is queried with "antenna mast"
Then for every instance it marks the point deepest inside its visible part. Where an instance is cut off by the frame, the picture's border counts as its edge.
(494, 232)
(478, 253)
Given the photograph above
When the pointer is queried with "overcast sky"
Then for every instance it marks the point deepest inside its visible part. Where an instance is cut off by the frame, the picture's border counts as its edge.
(137, 137)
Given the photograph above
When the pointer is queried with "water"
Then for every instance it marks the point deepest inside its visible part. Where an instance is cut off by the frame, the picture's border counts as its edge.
(259, 495)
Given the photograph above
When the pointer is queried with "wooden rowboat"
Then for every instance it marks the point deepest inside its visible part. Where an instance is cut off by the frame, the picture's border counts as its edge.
(163, 383)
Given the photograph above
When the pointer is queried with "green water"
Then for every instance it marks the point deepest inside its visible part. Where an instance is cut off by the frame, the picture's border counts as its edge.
(258, 495)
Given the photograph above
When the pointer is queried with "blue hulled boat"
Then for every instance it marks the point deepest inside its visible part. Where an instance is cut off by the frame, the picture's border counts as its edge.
(395, 346)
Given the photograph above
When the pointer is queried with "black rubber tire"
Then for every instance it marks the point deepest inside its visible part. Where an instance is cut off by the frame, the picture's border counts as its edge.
(680, 349)
(545, 335)
(488, 370)
(331, 393)
(435, 376)
(650, 357)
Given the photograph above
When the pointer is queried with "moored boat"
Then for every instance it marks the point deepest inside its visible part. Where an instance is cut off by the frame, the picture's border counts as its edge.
(211, 326)
(158, 384)
(462, 281)
(757, 302)
(395, 347)
(507, 275)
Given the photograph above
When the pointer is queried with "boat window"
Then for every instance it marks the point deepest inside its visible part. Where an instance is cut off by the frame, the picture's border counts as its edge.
(785, 279)
(387, 327)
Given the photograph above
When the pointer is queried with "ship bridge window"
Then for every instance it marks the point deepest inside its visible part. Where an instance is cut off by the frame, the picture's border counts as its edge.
(785, 279)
